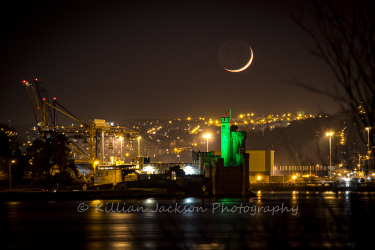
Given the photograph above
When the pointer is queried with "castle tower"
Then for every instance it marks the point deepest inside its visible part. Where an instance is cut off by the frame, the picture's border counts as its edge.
(225, 140)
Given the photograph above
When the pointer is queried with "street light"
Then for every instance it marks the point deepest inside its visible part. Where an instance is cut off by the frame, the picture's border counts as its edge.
(113, 150)
(127, 154)
(95, 164)
(10, 174)
(329, 134)
(368, 147)
(207, 136)
(368, 138)
(139, 146)
(121, 146)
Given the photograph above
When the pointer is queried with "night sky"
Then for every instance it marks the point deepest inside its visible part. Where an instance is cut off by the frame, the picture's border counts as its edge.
(119, 60)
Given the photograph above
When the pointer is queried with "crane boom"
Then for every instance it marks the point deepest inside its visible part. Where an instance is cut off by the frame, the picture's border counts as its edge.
(44, 120)
(38, 114)
(69, 115)
(43, 96)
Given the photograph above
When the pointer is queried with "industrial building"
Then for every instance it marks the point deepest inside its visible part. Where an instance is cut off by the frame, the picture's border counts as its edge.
(261, 164)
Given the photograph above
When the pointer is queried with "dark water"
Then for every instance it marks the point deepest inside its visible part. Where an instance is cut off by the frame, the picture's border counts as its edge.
(275, 220)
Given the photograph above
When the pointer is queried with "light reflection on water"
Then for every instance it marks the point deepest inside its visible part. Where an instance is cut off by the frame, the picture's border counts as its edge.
(323, 221)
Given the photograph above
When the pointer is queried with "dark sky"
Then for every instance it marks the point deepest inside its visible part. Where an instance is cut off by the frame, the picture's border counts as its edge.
(118, 60)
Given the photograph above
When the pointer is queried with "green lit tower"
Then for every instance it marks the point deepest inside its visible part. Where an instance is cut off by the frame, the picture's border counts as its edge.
(225, 140)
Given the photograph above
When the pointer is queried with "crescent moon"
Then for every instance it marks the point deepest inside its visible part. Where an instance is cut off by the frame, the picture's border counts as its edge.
(244, 67)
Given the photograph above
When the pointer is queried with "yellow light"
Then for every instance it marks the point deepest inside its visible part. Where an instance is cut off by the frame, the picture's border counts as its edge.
(259, 178)
(207, 136)
(329, 134)
(294, 177)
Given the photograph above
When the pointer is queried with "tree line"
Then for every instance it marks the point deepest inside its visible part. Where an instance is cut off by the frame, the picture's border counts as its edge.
(36, 162)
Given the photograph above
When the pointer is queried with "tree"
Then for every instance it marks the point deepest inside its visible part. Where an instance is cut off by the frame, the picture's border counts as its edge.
(343, 32)
(60, 153)
(40, 156)
(9, 145)
(9, 141)
(49, 151)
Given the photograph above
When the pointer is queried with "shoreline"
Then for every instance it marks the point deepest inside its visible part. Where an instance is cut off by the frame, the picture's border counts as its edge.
(141, 193)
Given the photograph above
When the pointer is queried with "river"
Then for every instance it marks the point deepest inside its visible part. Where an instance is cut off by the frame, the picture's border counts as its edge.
(272, 220)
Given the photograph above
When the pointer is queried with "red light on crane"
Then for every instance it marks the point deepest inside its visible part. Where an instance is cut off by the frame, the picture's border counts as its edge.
(36, 79)
(44, 99)
(24, 81)
(54, 98)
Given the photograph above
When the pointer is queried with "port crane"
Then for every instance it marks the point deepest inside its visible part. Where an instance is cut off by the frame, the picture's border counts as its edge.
(46, 122)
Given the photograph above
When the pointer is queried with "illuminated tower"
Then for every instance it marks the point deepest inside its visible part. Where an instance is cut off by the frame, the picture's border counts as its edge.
(225, 140)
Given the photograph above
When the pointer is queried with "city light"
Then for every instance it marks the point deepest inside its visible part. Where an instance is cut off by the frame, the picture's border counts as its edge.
(189, 170)
(10, 173)
(207, 136)
(329, 134)
(139, 146)
(121, 145)
(149, 169)
(368, 143)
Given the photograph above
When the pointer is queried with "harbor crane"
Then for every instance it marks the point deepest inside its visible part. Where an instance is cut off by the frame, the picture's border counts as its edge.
(46, 122)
